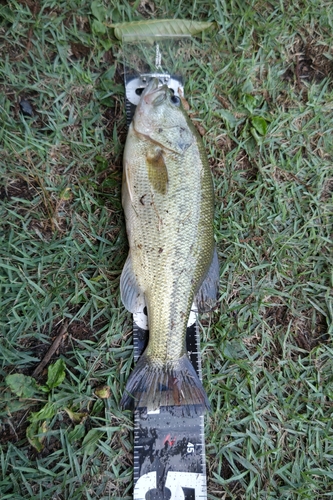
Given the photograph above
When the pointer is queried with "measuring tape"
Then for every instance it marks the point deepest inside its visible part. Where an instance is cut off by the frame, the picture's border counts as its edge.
(169, 449)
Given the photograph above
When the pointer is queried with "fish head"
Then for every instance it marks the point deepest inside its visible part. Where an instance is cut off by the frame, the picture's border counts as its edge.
(161, 118)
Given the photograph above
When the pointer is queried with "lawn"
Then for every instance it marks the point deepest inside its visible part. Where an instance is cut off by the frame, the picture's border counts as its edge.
(261, 94)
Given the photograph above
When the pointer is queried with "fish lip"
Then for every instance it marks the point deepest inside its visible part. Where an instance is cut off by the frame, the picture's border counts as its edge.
(153, 91)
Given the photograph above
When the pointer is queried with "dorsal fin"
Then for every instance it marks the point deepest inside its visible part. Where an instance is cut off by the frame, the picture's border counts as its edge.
(206, 296)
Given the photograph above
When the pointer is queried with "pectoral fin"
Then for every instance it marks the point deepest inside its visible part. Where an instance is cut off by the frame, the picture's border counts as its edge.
(131, 294)
(206, 296)
(157, 171)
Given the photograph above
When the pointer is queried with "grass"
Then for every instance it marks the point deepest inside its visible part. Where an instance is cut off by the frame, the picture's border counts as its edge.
(261, 91)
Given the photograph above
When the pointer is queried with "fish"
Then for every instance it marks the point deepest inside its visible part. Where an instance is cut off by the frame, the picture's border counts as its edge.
(168, 201)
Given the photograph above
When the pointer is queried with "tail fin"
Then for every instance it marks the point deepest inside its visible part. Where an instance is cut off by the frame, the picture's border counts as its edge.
(153, 384)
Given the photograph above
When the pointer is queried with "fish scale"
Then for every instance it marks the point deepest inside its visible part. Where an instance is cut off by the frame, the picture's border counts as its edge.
(173, 305)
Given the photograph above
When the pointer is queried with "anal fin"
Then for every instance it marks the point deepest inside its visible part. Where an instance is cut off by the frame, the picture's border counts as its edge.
(131, 294)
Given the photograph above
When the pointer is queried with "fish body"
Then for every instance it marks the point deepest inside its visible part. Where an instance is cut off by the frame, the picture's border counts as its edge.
(168, 203)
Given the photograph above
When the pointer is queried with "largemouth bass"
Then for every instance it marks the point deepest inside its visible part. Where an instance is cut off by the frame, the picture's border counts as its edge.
(167, 197)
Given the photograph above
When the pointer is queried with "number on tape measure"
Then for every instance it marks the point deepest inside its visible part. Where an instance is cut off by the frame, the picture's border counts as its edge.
(176, 482)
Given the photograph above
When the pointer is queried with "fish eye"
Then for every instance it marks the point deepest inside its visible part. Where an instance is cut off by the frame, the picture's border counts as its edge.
(175, 100)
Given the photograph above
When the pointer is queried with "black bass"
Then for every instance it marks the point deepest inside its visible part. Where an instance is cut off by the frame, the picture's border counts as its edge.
(168, 202)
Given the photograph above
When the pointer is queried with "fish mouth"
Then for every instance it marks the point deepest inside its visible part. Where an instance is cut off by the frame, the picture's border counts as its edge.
(154, 93)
